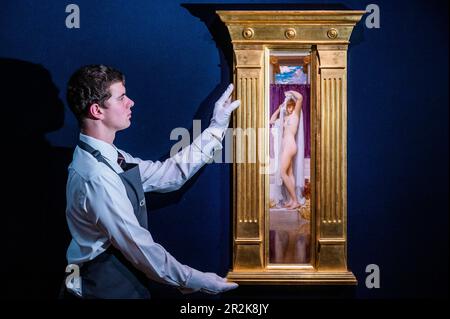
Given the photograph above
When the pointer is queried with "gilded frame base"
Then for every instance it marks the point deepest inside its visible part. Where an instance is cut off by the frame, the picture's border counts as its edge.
(326, 35)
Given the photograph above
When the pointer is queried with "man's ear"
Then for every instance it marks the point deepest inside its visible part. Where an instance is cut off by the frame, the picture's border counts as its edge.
(95, 111)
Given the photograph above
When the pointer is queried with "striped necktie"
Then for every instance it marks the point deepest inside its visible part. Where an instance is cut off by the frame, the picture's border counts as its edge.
(121, 160)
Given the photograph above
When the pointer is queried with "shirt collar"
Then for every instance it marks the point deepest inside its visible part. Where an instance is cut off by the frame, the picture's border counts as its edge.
(107, 150)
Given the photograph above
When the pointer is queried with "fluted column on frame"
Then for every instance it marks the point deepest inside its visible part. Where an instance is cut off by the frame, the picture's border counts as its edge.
(249, 210)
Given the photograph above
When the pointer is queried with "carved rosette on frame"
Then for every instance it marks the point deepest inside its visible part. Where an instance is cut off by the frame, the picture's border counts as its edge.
(326, 35)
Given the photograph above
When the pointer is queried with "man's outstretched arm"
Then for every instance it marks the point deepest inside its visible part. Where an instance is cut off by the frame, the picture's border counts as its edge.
(171, 174)
(105, 202)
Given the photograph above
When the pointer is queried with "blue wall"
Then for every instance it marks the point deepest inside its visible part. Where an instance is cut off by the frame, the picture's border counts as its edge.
(397, 131)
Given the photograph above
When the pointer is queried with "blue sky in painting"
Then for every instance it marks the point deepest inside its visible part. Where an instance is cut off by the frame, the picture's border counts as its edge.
(291, 75)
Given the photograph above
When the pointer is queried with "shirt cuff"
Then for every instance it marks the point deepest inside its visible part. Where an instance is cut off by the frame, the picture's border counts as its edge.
(194, 283)
(217, 132)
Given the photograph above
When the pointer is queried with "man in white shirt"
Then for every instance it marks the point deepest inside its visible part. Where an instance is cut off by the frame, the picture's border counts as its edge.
(111, 248)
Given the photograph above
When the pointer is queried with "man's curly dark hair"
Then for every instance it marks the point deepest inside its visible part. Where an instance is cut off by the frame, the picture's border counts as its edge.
(88, 85)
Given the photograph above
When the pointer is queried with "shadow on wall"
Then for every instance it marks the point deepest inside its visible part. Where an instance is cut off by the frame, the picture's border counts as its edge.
(36, 235)
(219, 32)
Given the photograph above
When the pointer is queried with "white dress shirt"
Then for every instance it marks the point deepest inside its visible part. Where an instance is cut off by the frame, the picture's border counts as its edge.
(99, 212)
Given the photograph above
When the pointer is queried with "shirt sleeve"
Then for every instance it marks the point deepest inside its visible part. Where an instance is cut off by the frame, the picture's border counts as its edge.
(172, 173)
(109, 207)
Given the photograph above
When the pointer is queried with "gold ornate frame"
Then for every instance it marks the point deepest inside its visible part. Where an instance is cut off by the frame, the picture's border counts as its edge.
(326, 34)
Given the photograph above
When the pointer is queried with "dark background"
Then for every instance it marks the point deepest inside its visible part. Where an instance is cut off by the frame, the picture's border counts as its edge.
(177, 60)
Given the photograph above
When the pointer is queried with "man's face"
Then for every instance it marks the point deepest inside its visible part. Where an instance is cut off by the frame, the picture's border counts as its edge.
(117, 111)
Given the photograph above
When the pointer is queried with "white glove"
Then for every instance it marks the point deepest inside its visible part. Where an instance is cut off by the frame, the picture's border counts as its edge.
(207, 282)
(223, 109)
